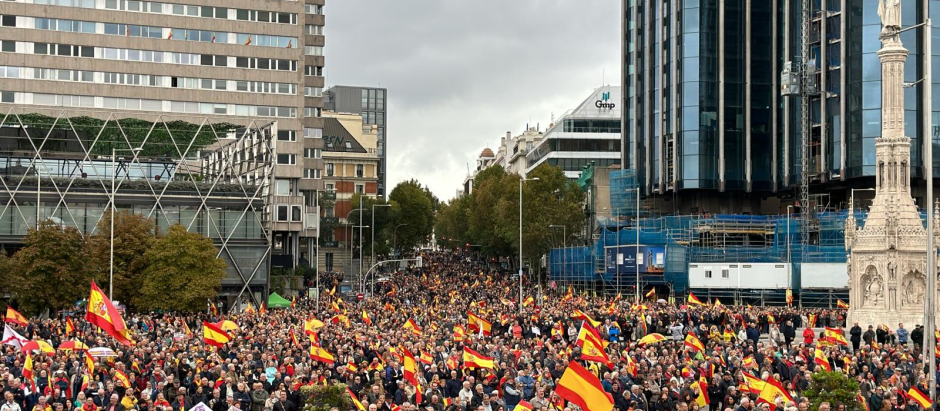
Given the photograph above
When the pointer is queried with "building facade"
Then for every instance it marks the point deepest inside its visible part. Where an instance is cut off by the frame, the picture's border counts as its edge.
(351, 167)
(197, 59)
(372, 104)
(706, 122)
(586, 135)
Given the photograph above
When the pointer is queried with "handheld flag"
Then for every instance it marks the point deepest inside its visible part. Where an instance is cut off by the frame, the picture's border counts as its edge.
(820, 358)
(28, 370)
(213, 335)
(651, 339)
(355, 400)
(89, 362)
(920, 397)
(321, 355)
(842, 304)
(293, 337)
(582, 316)
(651, 293)
(365, 317)
(14, 317)
(293, 302)
(694, 343)
(410, 367)
(473, 359)
(694, 300)
(69, 326)
(102, 314)
(215, 310)
(476, 323)
(582, 388)
(772, 389)
(122, 378)
(523, 406)
(592, 345)
(789, 296)
(528, 301)
(263, 309)
(410, 325)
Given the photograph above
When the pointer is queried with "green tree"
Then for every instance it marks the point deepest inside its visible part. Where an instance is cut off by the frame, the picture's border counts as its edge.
(412, 205)
(452, 222)
(51, 270)
(133, 236)
(832, 387)
(382, 219)
(182, 272)
(492, 188)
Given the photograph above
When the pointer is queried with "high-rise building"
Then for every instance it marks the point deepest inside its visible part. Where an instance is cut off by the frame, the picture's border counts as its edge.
(706, 124)
(372, 104)
(192, 59)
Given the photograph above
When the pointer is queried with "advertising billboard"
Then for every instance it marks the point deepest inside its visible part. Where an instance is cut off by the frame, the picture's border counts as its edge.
(625, 259)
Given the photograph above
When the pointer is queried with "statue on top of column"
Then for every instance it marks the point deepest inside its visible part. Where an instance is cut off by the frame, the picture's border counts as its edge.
(890, 13)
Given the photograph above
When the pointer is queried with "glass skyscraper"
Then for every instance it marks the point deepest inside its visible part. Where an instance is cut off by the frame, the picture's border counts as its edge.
(705, 121)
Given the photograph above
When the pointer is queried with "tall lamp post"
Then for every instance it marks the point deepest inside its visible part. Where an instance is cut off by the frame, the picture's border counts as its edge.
(372, 247)
(521, 180)
(114, 152)
(395, 237)
(931, 310)
(564, 241)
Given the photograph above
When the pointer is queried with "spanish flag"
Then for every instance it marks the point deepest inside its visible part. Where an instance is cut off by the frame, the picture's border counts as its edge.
(250, 309)
(425, 358)
(834, 335)
(215, 310)
(582, 316)
(750, 362)
(213, 335)
(365, 317)
(14, 317)
(293, 337)
(651, 339)
(89, 362)
(862, 401)
(473, 359)
(122, 377)
(578, 386)
(410, 325)
(717, 302)
(592, 345)
(694, 300)
(28, 370)
(459, 332)
(651, 293)
(842, 304)
(820, 358)
(263, 309)
(772, 389)
(920, 397)
(789, 296)
(476, 323)
(311, 326)
(523, 406)
(700, 390)
(102, 314)
(321, 355)
(355, 400)
(410, 367)
(69, 327)
(293, 302)
(528, 301)
(694, 343)
(812, 320)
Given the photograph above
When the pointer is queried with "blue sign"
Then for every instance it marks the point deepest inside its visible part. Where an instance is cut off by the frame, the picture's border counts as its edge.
(625, 259)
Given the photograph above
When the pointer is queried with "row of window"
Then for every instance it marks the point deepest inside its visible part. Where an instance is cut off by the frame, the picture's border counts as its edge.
(331, 169)
(170, 106)
(177, 9)
(130, 79)
(290, 213)
(169, 33)
(148, 56)
(359, 189)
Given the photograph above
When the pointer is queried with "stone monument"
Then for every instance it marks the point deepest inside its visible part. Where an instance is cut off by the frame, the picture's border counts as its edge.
(888, 256)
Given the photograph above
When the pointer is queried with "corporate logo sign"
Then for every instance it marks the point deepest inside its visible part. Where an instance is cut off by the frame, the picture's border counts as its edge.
(604, 102)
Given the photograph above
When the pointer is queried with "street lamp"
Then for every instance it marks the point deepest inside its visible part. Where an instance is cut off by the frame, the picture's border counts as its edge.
(372, 248)
(395, 236)
(351, 232)
(113, 205)
(521, 180)
(789, 259)
(564, 241)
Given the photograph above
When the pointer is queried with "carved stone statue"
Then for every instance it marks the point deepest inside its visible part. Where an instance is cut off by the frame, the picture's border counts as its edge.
(872, 288)
(890, 13)
(892, 268)
(914, 289)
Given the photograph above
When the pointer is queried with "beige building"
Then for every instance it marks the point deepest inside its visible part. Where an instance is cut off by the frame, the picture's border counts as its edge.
(233, 61)
(351, 166)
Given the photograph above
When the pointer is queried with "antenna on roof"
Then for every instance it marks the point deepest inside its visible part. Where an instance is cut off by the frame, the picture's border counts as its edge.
(603, 77)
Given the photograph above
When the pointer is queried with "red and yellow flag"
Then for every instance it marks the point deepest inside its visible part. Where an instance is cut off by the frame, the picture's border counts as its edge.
(215, 310)
(410, 368)
(425, 358)
(477, 324)
(842, 304)
(69, 326)
(89, 362)
(411, 325)
(189, 333)
(592, 345)
(122, 378)
(651, 293)
(213, 335)
(835, 336)
(920, 397)
(694, 300)
(14, 317)
(28, 370)
(311, 326)
(459, 332)
(365, 317)
(263, 308)
(293, 302)
(473, 359)
(523, 406)
(355, 400)
(102, 314)
(582, 388)
(293, 338)
(772, 389)
(694, 343)
(651, 339)
(820, 358)
(528, 301)
(582, 316)
(321, 355)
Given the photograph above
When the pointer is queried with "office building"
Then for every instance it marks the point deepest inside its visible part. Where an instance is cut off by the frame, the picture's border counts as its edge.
(372, 104)
(707, 126)
(191, 60)
(586, 135)
(351, 165)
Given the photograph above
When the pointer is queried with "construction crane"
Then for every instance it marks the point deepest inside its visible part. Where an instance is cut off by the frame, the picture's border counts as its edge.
(800, 80)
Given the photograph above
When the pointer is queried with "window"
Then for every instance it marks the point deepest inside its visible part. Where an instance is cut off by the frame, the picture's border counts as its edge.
(311, 153)
(360, 170)
(282, 187)
(287, 159)
(296, 213)
(8, 21)
(312, 173)
(313, 92)
(725, 273)
(286, 135)
(313, 132)
(330, 187)
(312, 111)
(313, 50)
(708, 273)
(360, 189)
(329, 169)
(329, 258)
(282, 213)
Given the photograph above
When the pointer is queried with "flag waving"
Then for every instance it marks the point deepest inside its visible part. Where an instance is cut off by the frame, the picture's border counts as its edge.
(694, 300)
(102, 314)
(14, 317)
(578, 386)
(213, 335)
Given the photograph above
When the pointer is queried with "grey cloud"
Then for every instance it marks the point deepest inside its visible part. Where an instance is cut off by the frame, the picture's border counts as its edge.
(462, 73)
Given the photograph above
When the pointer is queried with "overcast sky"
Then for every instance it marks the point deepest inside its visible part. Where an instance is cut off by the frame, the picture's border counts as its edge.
(461, 73)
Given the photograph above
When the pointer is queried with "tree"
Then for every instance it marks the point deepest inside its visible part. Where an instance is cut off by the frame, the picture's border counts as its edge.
(51, 270)
(492, 187)
(451, 222)
(182, 271)
(412, 206)
(133, 236)
(834, 388)
(382, 220)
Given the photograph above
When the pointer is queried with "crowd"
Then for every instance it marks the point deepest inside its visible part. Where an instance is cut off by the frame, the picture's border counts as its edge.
(424, 312)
